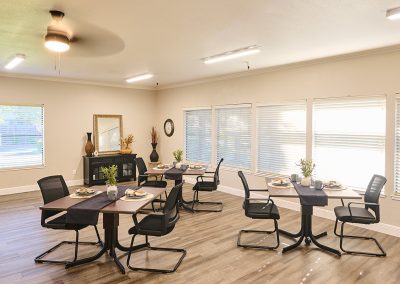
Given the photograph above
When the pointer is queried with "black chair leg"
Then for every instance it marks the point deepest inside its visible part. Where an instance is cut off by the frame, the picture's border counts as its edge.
(239, 244)
(342, 236)
(39, 259)
(148, 247)
(197, 201)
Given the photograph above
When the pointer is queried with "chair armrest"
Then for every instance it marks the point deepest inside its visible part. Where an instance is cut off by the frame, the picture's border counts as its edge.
(269, 200)
(360, 203)
(201, 178)
(258, 190)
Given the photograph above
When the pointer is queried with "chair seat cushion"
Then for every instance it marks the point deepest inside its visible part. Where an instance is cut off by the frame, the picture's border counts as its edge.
(150, 225)
(155, 183)
(205, 186)
(60, 223)
(261, 211)
(359, 215)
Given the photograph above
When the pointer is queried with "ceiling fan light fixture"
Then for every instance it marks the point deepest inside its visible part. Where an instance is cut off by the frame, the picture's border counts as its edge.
(56, 42)
(232, 54)
(393, 14)
(15, 61)
(139, 78)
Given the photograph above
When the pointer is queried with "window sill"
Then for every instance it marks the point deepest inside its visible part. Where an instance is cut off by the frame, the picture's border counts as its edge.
(23, 168)
(395, 197)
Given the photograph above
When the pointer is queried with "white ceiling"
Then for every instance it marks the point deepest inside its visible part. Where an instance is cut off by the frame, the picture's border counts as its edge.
(121, 38)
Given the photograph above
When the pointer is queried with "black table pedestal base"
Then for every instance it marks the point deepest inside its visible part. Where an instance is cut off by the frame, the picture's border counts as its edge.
(182, 202)
(110, 224)
(306, 234)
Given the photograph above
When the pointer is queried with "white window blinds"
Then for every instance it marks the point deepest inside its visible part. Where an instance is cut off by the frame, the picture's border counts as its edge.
(397, 149)
(198, 135)
(349, 139)
(21, 136)
(234, 136)
(281, 137)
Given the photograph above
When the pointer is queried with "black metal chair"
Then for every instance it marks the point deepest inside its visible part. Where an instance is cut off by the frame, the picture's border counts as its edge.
(207, 183)
(53, 188)
(258, 210)
(143, 180)
(362, 215)
(158, 224)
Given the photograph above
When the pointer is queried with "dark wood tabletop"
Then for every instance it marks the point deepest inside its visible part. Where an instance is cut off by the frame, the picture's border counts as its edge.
(118, 207)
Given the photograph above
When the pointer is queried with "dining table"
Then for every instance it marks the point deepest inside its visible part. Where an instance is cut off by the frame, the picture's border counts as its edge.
(306, 232)
(179, 179)
(111, 214)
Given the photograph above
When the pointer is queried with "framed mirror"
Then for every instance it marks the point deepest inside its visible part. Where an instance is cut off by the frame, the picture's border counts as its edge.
(107, 133)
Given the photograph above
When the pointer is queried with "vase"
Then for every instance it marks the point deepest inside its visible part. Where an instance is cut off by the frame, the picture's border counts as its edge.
(112, 191)
(306, 181)
(89, 145)
(154, 155)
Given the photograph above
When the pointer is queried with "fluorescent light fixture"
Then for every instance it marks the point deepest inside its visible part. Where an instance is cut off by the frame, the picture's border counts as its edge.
(393, 14)
(232, 54)
(15, 61)
(139, 78)
(56, 42)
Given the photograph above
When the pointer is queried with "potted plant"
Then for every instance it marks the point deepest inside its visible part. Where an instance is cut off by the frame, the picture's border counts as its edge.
(306, 167)
(178, 155)
(111, 180)
(154, 140)
(126, 144)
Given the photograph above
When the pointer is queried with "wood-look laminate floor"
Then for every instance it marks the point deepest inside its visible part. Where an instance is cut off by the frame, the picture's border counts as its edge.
(210, 241)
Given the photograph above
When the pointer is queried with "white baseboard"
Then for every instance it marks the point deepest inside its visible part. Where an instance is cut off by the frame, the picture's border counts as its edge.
(320, 212)
(33, 187)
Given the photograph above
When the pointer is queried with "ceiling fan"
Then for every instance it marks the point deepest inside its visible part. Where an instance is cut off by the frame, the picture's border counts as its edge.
(57, 38)
(89, 41)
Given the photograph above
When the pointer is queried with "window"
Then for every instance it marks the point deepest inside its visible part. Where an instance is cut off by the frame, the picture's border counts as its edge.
(349, 139)
(281, 137)
(198, 135)
(21, 136)
(234, 136)
(397, 150)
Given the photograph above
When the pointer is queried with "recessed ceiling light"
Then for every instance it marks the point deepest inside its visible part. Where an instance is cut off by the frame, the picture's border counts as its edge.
(393, 14)
(139, 78)
(15, 61)
(232, 54)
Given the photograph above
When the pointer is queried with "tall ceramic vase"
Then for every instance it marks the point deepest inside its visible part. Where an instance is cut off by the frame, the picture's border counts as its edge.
(89, 145)
(154, 155)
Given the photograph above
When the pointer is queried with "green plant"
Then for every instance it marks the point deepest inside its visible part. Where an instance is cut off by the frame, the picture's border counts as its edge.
(111, 174)
(306, 167)
(178, 155)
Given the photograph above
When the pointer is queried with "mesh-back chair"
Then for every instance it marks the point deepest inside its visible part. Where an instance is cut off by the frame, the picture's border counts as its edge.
(362, 215)
(143, 180)
(158, 224)
(53, 188)
(258, 210)
(207, 183)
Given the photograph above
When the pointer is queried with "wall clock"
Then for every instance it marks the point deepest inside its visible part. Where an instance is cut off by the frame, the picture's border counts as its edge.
(169, 127)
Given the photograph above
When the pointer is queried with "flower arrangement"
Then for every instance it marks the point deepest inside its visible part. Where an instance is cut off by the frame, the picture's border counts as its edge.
(127, 141)
(111, 174)
(178, 155)
(306, 167)
(154, 135)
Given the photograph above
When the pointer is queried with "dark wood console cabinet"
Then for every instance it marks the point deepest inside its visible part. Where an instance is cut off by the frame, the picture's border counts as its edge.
(91, 168)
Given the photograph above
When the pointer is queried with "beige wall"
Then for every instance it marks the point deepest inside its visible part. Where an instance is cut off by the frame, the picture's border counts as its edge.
(366, 75)
(69, 110)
